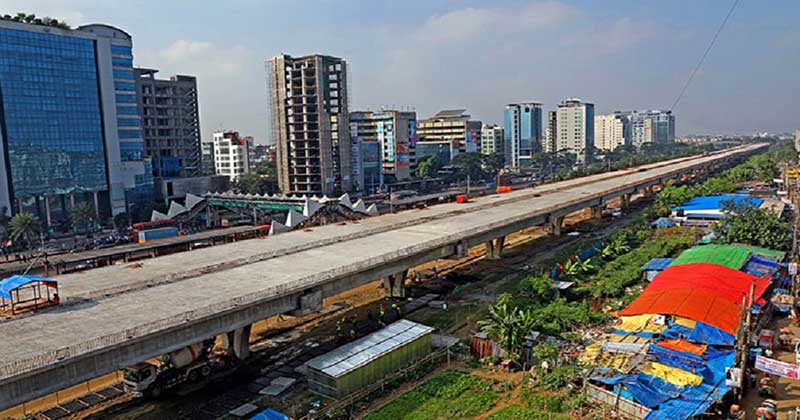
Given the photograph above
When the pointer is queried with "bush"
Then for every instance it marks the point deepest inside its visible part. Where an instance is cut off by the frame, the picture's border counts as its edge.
(612, 279)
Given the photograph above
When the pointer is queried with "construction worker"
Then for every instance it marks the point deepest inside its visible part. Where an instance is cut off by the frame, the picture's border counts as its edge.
(397, 310)
(381, 314)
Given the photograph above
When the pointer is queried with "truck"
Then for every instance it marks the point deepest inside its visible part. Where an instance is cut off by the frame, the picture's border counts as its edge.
(152, 378)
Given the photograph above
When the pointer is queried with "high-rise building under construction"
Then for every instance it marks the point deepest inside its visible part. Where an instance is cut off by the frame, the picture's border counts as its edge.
(310, 123)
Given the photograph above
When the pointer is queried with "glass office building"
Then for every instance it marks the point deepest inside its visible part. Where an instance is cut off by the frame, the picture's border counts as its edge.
(51, 115)
(523, 132)
(69, 123)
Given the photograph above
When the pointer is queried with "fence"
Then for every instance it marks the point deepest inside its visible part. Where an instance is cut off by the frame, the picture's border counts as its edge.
(624, 407)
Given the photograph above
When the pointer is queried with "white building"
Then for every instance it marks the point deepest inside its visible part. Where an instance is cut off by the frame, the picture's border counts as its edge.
(491, 139)
(612, 131)
(575, 129)
(231, 154)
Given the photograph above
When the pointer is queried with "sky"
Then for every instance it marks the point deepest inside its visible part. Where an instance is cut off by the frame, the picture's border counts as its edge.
(429, 55)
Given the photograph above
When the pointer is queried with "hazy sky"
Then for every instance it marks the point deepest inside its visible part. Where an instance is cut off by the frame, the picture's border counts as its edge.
(478, 55)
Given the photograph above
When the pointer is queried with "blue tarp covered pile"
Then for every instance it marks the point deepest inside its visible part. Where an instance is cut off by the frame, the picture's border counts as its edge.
(657, 264)
(662, 223)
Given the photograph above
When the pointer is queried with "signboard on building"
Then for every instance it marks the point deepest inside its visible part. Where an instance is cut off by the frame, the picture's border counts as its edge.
(777, 367)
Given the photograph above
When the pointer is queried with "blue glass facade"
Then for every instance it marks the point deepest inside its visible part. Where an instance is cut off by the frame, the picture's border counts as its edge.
(51, 115)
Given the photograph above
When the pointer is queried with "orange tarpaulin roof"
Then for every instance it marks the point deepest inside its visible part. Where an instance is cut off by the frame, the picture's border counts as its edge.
(715, 279)
(684, 346)
(694, 304)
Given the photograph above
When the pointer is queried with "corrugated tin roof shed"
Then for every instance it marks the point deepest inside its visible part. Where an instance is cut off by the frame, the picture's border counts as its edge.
(364, 350)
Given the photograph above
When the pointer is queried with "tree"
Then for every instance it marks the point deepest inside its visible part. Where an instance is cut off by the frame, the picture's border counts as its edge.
(616, 247)
(122, 220)
(82, 215)
(428, 167)
(24, 227)
(509, 325)
(493, 163)
(672, 196)
(253, 183)
(744, 223)
(716, 186)
(469, 164)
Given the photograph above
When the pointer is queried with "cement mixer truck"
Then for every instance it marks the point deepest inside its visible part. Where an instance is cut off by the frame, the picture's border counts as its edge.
(154, 377)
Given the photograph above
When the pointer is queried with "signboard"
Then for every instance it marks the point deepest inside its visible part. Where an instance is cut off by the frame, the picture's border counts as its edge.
(793, 268)
(777, 367)
(733, 377)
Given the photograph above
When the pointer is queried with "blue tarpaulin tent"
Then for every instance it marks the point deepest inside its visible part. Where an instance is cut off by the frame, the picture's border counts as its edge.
(14, 282)
(36, 292)
(270, 414)
(657, 264)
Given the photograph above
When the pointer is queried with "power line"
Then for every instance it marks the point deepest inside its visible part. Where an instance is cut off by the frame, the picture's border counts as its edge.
(705, 54)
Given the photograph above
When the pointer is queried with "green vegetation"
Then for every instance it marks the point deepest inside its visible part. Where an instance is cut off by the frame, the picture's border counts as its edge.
(82, 216)
(747, 224)
(24, 227)
(515, 412)
(428, 167)
(508, 325)
(454, 316)
(625, 270)
(451, 394)
(23, 17)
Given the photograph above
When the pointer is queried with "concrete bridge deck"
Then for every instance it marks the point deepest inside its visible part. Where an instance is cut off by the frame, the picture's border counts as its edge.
(119, 315)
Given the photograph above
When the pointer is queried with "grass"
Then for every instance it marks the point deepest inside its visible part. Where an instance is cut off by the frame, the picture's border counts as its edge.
(454, 316)
(450, 395)
(516, 412)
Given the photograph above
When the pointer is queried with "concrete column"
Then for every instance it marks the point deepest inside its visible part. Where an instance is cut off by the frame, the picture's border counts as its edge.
(96, 206)
(238, 342)
(597, 212)
(395, 284)
(555, 225)
(494, 248)
(625, 201)
(47, 210)
(71, 200)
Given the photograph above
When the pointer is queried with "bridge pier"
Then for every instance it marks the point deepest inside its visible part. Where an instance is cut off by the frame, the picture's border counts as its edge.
(597, 212)
(395, 284)
(625, 201)
(238, 341)
(555, 226)
(494, 248)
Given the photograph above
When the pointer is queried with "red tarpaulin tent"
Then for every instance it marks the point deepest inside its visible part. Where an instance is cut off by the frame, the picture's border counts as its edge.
(715, 279)
(694, 304)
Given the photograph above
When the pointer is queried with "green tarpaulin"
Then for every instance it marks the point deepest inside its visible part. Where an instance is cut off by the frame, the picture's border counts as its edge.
(731, 256)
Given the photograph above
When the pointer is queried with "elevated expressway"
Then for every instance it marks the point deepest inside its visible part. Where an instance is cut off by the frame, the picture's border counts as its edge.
(116, 316)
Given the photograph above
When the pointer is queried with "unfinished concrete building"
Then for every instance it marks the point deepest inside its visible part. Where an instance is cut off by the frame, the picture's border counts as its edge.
(310, 123)
(170, 122)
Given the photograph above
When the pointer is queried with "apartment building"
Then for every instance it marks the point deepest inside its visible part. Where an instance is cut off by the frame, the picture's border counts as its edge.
(447, 134)
(310, 125)
(575, 129)
(231, 154)
(170, 123)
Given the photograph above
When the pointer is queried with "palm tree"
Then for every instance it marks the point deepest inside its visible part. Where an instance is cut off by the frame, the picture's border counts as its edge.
(24, 226)
(81, 215)
(508, 325)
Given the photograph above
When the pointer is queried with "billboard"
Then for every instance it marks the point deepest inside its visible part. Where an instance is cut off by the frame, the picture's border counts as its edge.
(777, 367)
